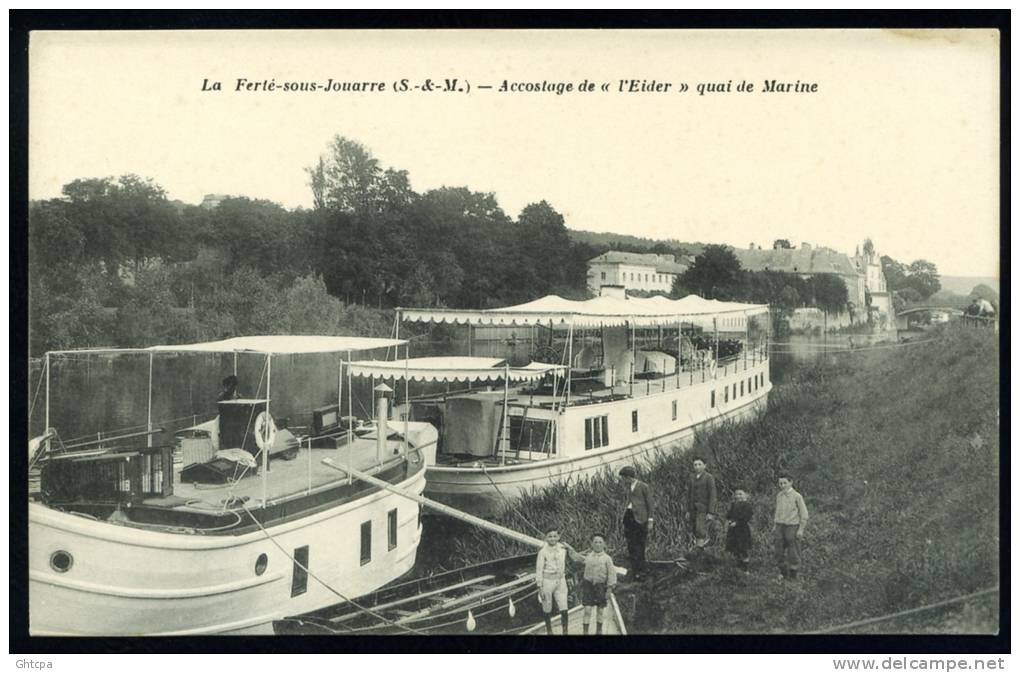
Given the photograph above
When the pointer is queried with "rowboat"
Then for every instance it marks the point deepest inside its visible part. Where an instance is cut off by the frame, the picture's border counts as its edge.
(493, 597)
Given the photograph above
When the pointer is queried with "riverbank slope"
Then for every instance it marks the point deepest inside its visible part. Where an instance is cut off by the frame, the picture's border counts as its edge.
(896, 453)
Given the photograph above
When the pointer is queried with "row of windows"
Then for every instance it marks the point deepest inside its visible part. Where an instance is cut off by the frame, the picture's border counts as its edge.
(596, 428)
(655, 277)
(752, 384)
(299, 579)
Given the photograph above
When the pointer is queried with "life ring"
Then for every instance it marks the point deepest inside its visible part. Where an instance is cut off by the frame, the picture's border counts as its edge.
(265, 431)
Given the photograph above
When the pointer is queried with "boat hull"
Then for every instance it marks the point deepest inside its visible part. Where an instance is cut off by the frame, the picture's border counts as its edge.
(486, 491)
(127, 581)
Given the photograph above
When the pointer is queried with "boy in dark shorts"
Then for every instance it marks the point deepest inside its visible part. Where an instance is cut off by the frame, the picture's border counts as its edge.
(598, 583)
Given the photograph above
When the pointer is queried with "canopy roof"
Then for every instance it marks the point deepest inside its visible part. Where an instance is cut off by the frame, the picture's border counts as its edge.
(286, 344)
(450, 369)
(277, 344)
(604, 311)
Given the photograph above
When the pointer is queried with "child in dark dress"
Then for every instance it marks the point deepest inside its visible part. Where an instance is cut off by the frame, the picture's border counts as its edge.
(738, 537)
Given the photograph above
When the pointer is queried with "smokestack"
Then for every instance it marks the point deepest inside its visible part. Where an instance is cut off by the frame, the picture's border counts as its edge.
(382, 414)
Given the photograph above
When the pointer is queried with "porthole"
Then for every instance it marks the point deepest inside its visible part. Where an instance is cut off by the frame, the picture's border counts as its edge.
(261, 563)
(61, 561)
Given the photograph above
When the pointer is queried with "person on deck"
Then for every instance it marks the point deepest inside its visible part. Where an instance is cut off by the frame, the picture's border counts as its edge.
(790, 519)
(637, 519)
(551, 577)
(229, 391)
(701, 502)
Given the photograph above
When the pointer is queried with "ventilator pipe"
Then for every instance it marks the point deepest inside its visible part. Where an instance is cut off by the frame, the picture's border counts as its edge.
(382, 414)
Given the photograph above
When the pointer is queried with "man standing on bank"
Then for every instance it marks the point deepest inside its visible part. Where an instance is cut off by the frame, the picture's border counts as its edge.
(637, 519)
(791, 518)
(701, 502)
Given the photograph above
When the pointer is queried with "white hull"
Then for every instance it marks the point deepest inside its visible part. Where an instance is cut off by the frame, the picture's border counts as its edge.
(485, 491)
(127, 581)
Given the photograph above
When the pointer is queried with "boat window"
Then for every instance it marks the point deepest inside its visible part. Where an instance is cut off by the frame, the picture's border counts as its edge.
(261, 563)
(391, 529)
(633, 421)
(674, 410)
(596, 432)
(712, 400)
(366, 542)
(734, 391)
(726, 394)
(299, 583)
(741, 388)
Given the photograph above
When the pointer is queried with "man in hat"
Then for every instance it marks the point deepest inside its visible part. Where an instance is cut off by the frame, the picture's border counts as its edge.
(637, 518)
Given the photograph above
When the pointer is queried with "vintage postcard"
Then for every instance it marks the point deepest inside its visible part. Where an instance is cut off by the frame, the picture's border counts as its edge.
(597, 333)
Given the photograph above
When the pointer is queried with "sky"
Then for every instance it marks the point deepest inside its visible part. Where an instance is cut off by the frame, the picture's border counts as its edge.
(900, 142)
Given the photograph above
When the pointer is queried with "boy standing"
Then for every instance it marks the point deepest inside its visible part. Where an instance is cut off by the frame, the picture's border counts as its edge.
(790, 519)
(551, 577)
(599, 581)
(738, 537)
(701, 502)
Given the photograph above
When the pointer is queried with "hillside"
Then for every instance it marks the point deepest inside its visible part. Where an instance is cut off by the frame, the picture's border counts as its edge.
(632, 243)
(964, 284)
(896, 453)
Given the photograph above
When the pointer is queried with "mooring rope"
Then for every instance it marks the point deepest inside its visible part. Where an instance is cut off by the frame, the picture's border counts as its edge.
(510, 505)
(902, 613)
(323, 582)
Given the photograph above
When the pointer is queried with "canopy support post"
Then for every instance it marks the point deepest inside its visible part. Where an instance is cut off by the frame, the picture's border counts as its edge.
(679, 349)
(46, 430)
(407, 395)
(235, 363)
(715, 330)
(570, 360)
(265, 435)
(504, 444)
(148, 420)
(350, 410)
(633, 353)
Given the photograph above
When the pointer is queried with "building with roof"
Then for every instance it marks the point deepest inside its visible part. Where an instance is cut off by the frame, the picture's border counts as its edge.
(867, 291)
(647, 272)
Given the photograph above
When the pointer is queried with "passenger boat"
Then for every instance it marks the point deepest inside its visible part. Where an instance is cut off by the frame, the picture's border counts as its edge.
(231, 523)
(622, 379)
(491, 598)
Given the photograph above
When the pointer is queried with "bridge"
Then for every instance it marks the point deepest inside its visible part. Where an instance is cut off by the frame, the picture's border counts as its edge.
(903, 316)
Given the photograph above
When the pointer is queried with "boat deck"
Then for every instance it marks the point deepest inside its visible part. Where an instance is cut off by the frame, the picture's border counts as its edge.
(303, 474)
(611, 626)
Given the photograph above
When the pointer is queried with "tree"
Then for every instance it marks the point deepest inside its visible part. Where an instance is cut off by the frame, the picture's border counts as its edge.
(923, 276)
(127, 220)
(781, 244)
(715, 273)
(830, 293)
(895, 273)
(869, 248)
(346, 178)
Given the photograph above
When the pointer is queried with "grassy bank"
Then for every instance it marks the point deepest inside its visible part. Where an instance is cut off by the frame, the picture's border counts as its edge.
(896, 453)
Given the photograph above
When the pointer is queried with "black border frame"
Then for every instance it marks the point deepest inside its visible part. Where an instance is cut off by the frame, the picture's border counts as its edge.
(24, 21)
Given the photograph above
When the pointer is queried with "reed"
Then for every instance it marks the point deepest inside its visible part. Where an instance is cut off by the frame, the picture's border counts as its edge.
(896, 453)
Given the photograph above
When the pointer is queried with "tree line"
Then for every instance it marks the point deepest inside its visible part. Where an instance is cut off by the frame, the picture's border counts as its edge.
(115, 262)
